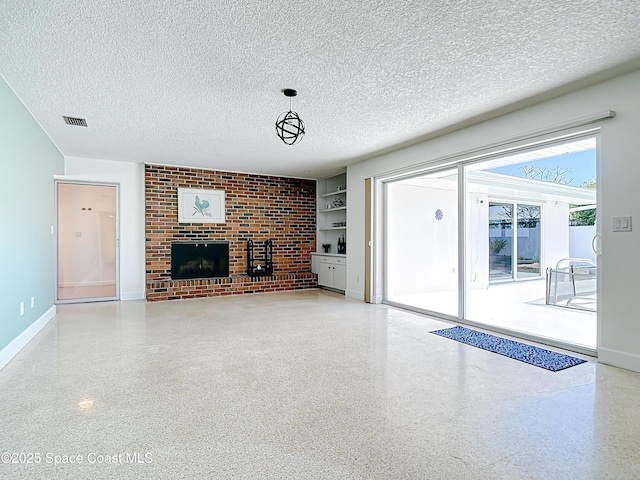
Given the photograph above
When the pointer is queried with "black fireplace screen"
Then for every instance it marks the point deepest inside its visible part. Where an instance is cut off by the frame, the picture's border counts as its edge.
(199, 260)
(259, 259)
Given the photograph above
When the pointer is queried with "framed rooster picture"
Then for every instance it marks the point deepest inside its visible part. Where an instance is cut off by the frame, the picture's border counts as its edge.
(200, 206)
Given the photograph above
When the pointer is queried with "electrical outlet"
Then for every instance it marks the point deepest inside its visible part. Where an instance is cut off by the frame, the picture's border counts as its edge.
(33, 302)
(21, 308)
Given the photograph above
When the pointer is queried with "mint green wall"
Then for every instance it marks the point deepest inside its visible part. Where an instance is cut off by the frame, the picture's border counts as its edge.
(29, 160)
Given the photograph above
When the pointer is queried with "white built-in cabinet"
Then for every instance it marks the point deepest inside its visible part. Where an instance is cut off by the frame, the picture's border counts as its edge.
(331, 266)
(331, 270)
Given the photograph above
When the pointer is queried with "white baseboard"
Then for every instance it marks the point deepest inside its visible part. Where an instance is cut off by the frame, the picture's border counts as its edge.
(354, 294)
(616, 358)
(95, 283)
(18, 343)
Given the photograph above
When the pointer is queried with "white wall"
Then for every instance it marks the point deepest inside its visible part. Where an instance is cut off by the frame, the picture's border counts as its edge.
(619, 172)
(130, 177)
(580, 241)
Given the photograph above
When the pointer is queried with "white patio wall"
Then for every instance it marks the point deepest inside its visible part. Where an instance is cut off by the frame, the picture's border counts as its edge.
(580, 238)
(424, 257)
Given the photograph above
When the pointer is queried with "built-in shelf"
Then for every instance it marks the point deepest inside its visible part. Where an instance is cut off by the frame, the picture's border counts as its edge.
(333, 209)
(331, 194)
(331, 212)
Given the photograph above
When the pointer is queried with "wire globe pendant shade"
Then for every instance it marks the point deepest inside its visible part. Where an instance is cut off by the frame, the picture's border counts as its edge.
(289, 126)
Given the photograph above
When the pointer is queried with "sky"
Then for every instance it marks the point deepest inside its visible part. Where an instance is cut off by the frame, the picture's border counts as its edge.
(582, 166)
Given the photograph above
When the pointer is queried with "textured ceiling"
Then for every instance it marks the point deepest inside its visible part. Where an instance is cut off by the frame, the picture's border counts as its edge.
(199, 82)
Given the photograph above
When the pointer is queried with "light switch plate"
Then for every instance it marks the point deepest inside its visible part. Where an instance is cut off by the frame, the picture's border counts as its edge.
(622, 224)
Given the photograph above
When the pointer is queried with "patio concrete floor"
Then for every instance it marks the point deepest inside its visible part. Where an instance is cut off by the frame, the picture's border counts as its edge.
(516, 306)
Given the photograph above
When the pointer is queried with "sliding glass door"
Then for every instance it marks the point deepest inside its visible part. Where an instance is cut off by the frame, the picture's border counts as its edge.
(534, 252)
(514, 241)
(500, 241)
(529, 224)
(528, 246)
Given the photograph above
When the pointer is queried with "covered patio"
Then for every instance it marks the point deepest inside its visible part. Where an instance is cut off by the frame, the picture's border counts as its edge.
(517, 307)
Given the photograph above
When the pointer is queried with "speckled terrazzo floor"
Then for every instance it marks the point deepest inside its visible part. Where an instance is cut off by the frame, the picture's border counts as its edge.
(302, 385)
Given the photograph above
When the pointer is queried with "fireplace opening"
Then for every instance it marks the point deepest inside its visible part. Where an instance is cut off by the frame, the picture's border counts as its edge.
(191, 260)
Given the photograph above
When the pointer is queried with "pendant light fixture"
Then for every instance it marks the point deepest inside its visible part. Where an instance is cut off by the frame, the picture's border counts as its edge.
(289, 126)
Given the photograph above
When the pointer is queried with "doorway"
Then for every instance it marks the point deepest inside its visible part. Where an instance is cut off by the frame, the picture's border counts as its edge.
(490, 242)
(87, 242)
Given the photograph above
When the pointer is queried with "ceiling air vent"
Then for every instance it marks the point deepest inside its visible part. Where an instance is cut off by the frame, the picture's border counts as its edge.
(78, 122)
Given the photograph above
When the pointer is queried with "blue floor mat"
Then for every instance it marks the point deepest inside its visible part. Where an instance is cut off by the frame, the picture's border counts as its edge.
(519, 351)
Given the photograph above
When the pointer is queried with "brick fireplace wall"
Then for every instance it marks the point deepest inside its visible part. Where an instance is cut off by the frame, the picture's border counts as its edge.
(258, 207)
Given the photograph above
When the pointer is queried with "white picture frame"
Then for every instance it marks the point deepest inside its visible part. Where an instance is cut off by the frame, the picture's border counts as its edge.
(196, 205)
